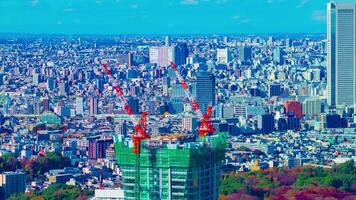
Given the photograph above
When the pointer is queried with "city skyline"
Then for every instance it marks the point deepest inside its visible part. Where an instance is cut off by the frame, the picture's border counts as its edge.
(168, 17)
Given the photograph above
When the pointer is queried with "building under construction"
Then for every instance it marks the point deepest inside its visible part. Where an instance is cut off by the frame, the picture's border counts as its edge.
(174, 166)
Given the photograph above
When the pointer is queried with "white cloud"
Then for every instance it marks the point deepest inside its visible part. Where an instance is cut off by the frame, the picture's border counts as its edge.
(275, 1)
(241, 19)
(34, 2)
(302, 3)
(190, 2)
(68, 9)
(236, 17)
(319, 15)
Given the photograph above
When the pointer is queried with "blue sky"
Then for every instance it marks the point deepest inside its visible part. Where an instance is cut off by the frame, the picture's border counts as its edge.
(163, 16)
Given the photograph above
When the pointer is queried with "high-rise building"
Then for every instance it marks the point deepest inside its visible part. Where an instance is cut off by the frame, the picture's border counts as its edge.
(97, 147)
(63, 89)
(163, 55)
(266, 123)
(275, 90)
(121, 128)
(189, 123)
(36, 78)
(278, 55)
(79, 105)
(245, 53)
(223, 56)
(293, 107)
(134, 104)
(312, 107)
(130, 59)
(93, 106)
(173, 171)
(12, 183)
(205, 90)
(181, 53)
(45, 104)
(167, 41)
(177, 91)
(289, 43)
(341, 56)
(37, 108)
(50, 84)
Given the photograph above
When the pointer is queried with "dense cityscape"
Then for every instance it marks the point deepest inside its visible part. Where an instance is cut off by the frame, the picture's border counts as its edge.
(247, 116)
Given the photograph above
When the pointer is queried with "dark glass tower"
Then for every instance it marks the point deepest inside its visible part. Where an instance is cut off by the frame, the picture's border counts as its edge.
(205, 90)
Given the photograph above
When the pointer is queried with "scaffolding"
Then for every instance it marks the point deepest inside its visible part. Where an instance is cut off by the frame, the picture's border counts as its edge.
(182, 170)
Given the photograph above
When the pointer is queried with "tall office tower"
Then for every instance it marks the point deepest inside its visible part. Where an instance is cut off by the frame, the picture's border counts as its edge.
(181, 53)
(177, 91)
(166, 82)
(130, 59)
(223, 56)
(79, 105)
(50, 84)
(12, 183)
(275, 90)
(121, 128)
(134, 104)
(312, 107)
(63, 89)
(167, 42)
(289, 43)
(99, 84)
(293, 108)
(205, 90)
(278, 55)
(341, 53)
(45, 104)
(37, 108)
(266, 123)
(97, 147)
(245, 53)
(270, 40)
(36, 78)
(189, 123)
(161, 55)
(93, 106)
(226, 39)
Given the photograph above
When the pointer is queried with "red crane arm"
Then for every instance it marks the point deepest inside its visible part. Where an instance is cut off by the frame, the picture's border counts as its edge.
(140, 126)
(205, 126)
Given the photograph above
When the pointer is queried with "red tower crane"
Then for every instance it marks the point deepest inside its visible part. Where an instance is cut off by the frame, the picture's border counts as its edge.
(140, 132)
(205, 127)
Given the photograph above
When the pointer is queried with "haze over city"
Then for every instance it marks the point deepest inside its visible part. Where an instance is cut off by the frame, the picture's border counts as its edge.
(163, 17)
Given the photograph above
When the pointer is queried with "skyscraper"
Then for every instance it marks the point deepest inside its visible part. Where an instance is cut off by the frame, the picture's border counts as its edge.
(63, 89)
(11, 183)
(341, 53)
(167, 41)
(205, 90)
(180, 54)
(278, 55)
(223, 56)
(293, 108)
(79, 105)
(50, 84)
(162, 55)
(245, 53)
(45, 104)
(93, 106)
